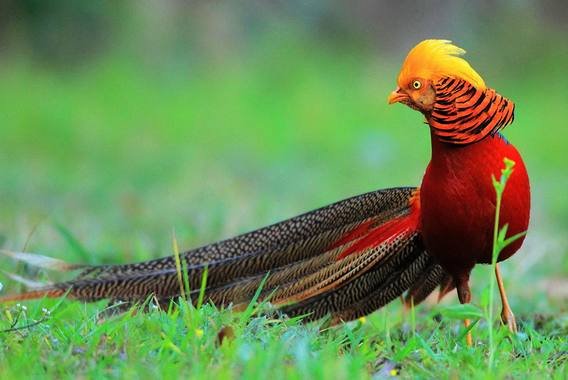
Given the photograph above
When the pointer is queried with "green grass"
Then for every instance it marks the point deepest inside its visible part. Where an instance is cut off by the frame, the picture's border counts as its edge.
(99, 164)
(73, 340)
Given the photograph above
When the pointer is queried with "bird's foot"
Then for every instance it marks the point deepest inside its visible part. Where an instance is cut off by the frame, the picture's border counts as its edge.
(508, 319)
(468, 336)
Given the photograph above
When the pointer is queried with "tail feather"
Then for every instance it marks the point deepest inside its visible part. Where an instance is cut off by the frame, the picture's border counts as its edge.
(28, 283)
(339, 273)
(430, 278)
(33, 294)
(343, 298)
(393, 287)
(345, 259)
(41, 261)
(305, 235)
(242, 290)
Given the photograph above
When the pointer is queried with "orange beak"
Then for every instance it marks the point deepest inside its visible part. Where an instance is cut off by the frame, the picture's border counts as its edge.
(397, 96)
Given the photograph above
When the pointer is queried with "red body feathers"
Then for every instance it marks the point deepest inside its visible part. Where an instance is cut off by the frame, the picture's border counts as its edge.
(454, 209)
(458, 202)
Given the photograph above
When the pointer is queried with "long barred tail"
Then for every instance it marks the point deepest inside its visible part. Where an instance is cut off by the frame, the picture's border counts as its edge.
(346, 259)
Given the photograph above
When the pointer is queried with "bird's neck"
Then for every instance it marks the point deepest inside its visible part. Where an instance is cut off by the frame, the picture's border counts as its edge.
(451, 157)
(445, 156)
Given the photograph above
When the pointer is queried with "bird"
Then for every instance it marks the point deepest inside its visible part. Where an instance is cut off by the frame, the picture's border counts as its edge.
(350, 258)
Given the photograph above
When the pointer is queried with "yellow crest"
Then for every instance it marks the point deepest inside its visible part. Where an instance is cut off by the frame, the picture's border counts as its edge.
(436, 59)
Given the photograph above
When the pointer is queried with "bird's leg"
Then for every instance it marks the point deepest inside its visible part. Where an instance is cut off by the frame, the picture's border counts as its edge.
(446, 285)
(464, 295)
(507, 315)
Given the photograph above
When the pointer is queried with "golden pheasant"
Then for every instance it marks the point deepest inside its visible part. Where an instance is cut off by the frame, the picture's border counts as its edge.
(352, 257)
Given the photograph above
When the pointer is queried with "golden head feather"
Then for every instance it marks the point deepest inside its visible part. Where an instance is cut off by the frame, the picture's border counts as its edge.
(436, 59)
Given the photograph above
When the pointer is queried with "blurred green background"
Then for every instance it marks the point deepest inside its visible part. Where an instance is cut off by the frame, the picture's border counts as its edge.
(124, 120)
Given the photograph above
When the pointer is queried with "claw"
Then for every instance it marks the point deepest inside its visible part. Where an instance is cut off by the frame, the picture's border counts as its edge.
(507, 315)
(508, 319)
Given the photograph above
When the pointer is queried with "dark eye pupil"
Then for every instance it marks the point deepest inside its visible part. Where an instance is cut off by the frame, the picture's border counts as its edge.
(416, 84)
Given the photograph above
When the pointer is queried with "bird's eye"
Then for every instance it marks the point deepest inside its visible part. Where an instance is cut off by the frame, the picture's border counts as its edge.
(416, 84)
